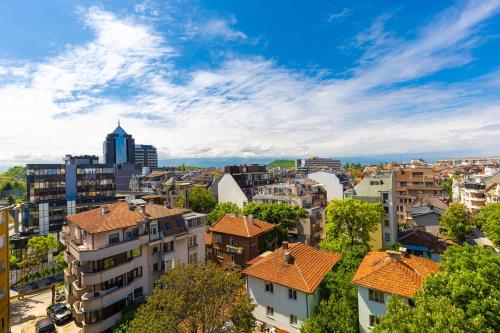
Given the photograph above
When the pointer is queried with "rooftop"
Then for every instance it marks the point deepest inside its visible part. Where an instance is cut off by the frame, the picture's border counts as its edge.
(303, 271)
(120, 215)
(422, 238)
(241, 226)
(394, 272)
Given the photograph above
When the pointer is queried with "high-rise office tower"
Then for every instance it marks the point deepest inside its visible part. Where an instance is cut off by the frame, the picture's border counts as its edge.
(119, 147)
(146, 156)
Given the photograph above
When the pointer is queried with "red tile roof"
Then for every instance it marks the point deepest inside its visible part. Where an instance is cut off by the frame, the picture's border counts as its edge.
(423, 238)
(119, 216)
(304, 272)
(398, 274)
(241, 226)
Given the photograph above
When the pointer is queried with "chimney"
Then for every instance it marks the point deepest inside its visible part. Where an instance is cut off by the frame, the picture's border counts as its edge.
(250, 218)
(130, 206)
(104, 210)
(284, 245)
(396, 255)
(288, 257)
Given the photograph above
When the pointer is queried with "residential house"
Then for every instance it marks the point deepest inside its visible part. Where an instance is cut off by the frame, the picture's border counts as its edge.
(424, 244)
(235, 240)
(426, 218)
(285, 285)
(116, 253)
(380, 188)
(382, 274)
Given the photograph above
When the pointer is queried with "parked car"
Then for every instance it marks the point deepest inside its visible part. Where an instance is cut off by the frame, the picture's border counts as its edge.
(45, 325)
(59, 312)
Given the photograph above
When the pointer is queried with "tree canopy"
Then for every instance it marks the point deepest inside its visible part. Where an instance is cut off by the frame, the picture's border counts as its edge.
(287, 164)
(464, 297)
(201, 200)
(353, 219)
(196, 298)
(488, 220)
(222, 209)
(338, 309)
(457, 221)
(283, 216)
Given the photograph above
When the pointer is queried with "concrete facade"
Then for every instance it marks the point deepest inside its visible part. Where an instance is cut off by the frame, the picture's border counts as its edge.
(229, 191)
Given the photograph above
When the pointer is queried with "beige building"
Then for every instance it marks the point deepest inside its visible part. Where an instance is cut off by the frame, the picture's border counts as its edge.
(413, 184)
(116, 253)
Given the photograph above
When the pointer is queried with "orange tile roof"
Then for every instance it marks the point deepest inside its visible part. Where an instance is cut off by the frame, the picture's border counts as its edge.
(241, 226)
(401, 275)
(208, 237)
(305, 271)
(119, 216)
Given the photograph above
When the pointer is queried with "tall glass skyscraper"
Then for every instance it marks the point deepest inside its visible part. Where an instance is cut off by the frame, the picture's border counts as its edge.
(119, 147)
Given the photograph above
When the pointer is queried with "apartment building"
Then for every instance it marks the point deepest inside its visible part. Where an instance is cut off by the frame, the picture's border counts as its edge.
(284, 285)
(331, 182)
(492, 189)
(379, 187)
(472, 195)
(4, 271)
(146, 156)
(239, 183)
(317, 163)
(415, 183)
(302, 193)
(57, 190)
(235, 240)
(117, 252)
(382, 274)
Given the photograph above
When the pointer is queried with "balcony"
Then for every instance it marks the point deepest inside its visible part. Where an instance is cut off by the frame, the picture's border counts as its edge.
(78, 290)
(97, 300)
(234, 249)
(102, 325)
(82, 252)
(77, 312)
(68, 257)
(91, 278)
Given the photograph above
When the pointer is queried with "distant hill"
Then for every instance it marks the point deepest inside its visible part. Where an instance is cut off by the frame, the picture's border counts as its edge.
(282, 164)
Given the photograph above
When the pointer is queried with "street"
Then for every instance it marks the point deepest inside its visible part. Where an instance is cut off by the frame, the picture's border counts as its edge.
(25, 313)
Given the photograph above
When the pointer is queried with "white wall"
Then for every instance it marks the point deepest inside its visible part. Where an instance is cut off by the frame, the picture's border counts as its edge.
(283, 306)
(332, 185)
(367, 308)
(229, 191)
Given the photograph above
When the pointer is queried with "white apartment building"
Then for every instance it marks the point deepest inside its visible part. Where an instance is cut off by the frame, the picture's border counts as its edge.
(284, 285)
(382, 274)
(330, 182)
(116, 253)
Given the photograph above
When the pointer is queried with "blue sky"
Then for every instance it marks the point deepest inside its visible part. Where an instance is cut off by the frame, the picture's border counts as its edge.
(250, 78)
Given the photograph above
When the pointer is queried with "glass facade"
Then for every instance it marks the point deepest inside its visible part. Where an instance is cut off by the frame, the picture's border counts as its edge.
(121, 149)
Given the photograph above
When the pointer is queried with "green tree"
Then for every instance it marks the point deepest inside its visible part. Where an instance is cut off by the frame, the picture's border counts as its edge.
(201, 199)
(283, 216)
(488, 220)
(11, 200)
(338, 309)
(222, 209)
(196, 298)
(457, 221)
(464, 297)
(180, 202)
(353, 219)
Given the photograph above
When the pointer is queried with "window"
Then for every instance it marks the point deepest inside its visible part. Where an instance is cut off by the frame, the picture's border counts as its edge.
(385, 196)
(218, 238)
(192, 241)
(153, 230)
(411, 302)
(193, 258)
(155, 267)
(169, 264)
(292, 294)
(376, 296)
(114, 238)
(138, 293)
(293, 320)
(374, 320)
(270, 311)
(269, 287)
(219, 253)
(386, 210)
(155, 249)
(387, 237)
(231, 241)
(168, 246)
(387, 223)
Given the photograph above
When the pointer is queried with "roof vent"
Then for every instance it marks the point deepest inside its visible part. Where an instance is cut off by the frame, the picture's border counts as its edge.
(250, 218)
(288, 257)
(104, 210)
(284, 245)
(130, 206)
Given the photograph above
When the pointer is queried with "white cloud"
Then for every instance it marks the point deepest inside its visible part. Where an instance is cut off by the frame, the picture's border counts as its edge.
(337, 16)
(250, 106)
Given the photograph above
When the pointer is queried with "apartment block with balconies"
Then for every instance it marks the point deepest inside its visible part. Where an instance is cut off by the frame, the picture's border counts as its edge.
(116, 253)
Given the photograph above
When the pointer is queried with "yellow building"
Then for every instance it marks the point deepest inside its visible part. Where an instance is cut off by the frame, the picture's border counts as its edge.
(4, 270)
